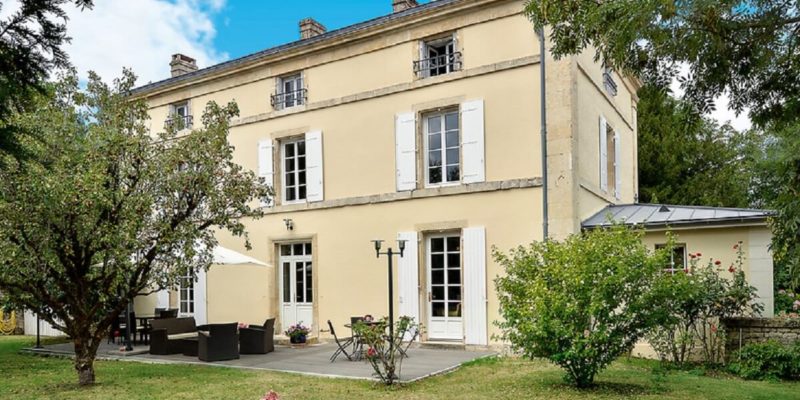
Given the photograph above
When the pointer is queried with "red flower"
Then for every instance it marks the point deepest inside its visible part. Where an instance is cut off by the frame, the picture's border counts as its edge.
(736, 246)
(371, 352)
(718, 262)
(731, 269)
(699, 254)
(692, 256)
(713, 328)
(686, 270)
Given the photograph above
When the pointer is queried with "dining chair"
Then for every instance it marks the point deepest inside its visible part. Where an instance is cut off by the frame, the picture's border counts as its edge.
(342, 344)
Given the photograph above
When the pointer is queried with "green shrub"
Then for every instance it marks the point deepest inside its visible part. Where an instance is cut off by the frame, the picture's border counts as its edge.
(767, 361)
(581, 302)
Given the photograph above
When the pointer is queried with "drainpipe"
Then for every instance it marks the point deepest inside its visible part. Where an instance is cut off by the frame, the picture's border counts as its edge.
(543, 114)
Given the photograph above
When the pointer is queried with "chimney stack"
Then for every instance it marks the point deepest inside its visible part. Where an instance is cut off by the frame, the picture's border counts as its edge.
(309, 27)
(402, 5)
(182, 64)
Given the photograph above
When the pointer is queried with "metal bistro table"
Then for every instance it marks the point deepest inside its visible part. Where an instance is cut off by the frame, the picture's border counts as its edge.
(358, 344)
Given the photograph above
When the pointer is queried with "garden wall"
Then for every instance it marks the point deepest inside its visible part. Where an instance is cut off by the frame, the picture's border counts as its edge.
(742, 331)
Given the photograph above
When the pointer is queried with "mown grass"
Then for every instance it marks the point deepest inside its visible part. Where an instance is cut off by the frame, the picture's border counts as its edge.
(24, 376)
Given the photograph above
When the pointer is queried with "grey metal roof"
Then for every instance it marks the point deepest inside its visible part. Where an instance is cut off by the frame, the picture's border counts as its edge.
(296, 44)
(663, 215)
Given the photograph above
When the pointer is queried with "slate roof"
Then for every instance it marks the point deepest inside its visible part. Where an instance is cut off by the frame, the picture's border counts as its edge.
(663, 215)
(433, 4)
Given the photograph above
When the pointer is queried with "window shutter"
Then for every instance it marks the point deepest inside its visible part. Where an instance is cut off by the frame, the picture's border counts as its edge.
(472, 147)
(475, 286)
(617, 158)
(603, 155)
(200, 305)
(265, 166)
(424, 68)
(314, 171)
(408, 277)
(405, 151)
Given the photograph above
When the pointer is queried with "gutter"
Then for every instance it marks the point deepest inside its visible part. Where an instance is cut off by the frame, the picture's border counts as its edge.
(543, 115)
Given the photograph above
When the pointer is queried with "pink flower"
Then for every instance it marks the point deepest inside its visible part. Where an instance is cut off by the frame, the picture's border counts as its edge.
(736, 246)
(242, 325)
(796, 305)
(713, 328)
(371, 352)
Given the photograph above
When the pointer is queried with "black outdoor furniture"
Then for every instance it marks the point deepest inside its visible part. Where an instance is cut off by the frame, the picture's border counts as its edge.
(342, 344)
(257, 339)
(168, 313)
(166, 334)
(115, 331)
(189, 346)
(218, 342)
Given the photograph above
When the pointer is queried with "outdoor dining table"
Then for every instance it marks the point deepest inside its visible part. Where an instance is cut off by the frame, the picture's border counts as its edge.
(144, 324)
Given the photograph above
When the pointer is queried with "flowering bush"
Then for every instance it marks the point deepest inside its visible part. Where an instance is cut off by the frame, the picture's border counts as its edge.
(697, 301)
(383, 351)
(767, 361)
(787, 303)
(583, 301)
(271, 395)
(297, 330)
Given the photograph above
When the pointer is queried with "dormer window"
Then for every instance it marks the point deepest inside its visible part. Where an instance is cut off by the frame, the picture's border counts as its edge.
(438, 57)
(180, 116)
(290, 92)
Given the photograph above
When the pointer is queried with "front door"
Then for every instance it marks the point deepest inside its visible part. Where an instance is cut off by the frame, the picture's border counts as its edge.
(296, 290)
(444, 287)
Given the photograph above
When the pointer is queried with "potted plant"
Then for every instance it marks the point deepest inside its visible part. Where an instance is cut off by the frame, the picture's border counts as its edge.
(298, 333)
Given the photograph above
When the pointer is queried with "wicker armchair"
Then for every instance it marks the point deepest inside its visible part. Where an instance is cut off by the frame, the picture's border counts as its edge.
(218, 342)
(257, 339)
(166, 334)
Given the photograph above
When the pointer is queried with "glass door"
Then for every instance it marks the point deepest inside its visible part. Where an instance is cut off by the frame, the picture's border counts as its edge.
(296, 289)
(444, 287)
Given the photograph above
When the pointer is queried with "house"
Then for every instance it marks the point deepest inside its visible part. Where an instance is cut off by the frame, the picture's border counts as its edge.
(422, 125)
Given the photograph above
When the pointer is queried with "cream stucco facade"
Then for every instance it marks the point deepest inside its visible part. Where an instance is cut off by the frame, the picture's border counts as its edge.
(366, 126)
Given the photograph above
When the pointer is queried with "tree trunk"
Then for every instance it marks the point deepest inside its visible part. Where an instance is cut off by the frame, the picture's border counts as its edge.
(85, 352)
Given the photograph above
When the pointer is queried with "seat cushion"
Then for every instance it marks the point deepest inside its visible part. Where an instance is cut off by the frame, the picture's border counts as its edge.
(176, 336)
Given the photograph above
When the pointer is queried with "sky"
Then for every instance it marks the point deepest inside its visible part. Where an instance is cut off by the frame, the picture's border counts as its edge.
(143, 34)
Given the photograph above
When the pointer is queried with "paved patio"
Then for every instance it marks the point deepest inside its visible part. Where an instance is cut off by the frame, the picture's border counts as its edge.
(310, 360)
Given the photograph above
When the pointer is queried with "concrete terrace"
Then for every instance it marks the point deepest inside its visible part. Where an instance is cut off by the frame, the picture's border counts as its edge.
(310, 360)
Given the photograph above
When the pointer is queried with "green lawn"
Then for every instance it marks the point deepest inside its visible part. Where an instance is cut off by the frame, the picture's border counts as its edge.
(25, 376)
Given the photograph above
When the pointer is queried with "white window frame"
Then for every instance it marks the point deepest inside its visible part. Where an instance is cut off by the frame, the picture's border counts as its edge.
(296, 172)
(297, 84)
(174, 112)
(450, 44)
(189, 301)
(443, 149)
(672, 268)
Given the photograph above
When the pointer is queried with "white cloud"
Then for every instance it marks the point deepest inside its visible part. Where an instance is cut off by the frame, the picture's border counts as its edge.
(722, 113)
(141, 34)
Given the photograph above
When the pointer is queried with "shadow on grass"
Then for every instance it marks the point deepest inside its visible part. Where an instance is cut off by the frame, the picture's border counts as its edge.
(614, 389)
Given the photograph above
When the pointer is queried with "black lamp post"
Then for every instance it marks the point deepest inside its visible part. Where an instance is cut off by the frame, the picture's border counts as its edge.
(38, 337)
(128, 309)
(390, 253)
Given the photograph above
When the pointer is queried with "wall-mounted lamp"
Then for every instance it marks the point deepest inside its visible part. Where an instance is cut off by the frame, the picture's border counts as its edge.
(289, 223)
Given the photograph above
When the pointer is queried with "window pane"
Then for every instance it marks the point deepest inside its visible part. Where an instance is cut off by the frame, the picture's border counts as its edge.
(437, 244)
(290, 194)
(451, 121)
(301, 148)
(298, 249)
(452, 156)
(453, 173)
(286, 250)
(308, 249)
(287, 290)
(437, 261)
(289, 150)
(435, 175)
(301, 163)
(298, 276)
(290, 180)
(302, 175)
(437, 292)
(454, 260)
(434, 158)
(454, 276)
(437, 276)
(454, 309)
(302, 193)
(454, 243)
(434, 124)
(309, 288)
(435, 141)
(438, 309)
(454, 293)
(451, 138)
(289, 164)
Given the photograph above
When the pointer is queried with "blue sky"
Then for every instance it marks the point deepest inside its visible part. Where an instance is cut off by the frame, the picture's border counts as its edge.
(247, 26)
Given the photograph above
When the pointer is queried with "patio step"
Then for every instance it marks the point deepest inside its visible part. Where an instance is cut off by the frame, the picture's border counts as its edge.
(442, 345)
(284, 340)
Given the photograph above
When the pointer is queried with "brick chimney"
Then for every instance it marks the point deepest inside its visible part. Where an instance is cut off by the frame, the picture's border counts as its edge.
(309, 27)
(182, 64)
(402, 5)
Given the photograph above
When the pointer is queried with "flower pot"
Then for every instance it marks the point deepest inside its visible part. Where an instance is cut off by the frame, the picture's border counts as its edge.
(297, 339)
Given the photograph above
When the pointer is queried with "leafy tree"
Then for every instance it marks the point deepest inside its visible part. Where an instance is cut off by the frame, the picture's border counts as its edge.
(582, 302)
(112, 211)
(748, 49)
(30, 48)
(779, 189)
(686, 158)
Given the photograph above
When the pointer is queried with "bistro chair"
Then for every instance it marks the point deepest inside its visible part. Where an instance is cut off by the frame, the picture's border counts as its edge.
(342, 343)
(404, 349)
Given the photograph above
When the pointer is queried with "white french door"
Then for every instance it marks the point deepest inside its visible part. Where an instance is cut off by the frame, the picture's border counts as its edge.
(444, 287)
(296, 288)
